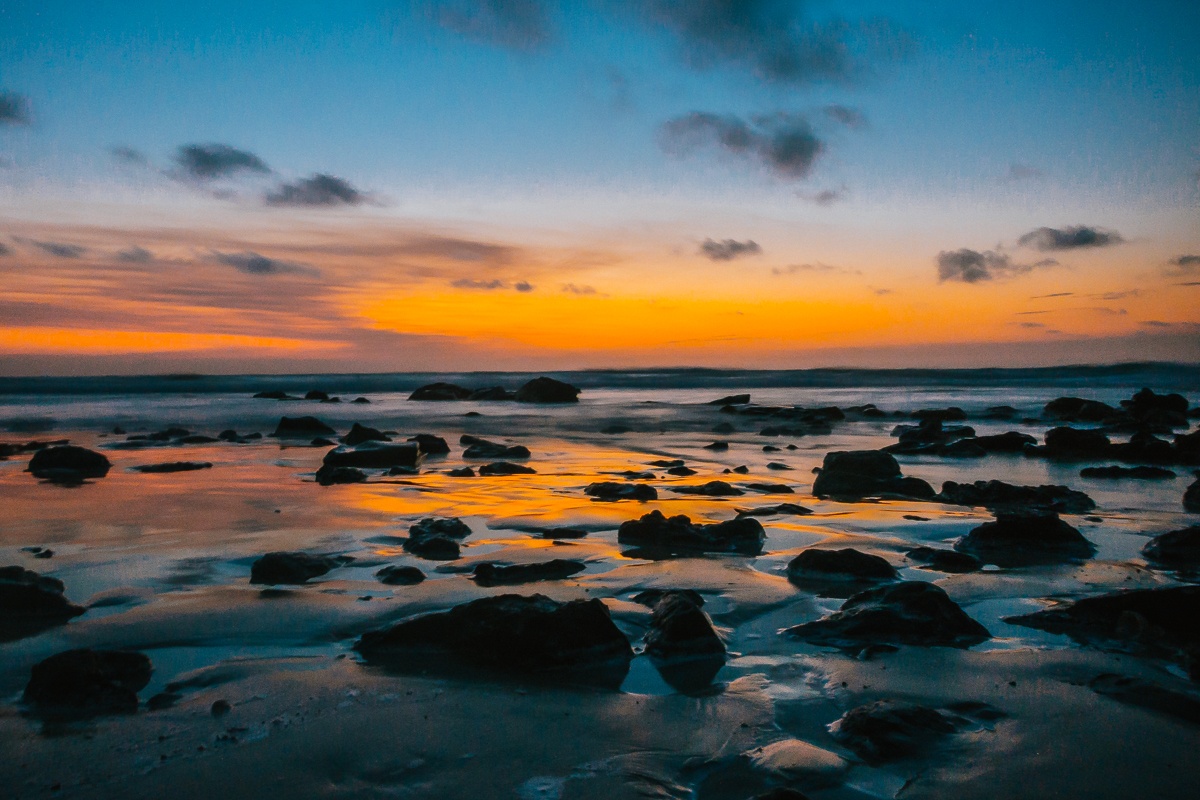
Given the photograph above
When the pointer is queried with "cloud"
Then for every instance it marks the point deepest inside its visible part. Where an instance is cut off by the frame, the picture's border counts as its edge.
(826, 197)
(253, 263)
(1032, 324)
(5, 249)
(56, 249)
(1184, 266)
(469, 283)
(206, 162)
(14, 109)
(1021, 172)
(1120, 295)
(319, 190)
(783, 143)
(1054, 294)
(795, 269)
(729, 249)
(571, 288)
(515, 24)
(973, 266)
(455, 249)
(135, 255)
(1069, 238)
(523, 286)
(128, 155)
(850, 117)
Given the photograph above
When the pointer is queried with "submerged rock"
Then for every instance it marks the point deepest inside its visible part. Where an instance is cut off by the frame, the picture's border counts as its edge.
(293, 568)
(1023, 538)
(856, 474)
(489, 574)
(771, 488)
(361, 433)
(998, 494)
(399, 575)
(506, 468)
(887, 730)
(945, 560)
(88, 683)
(1178, 549)
(710, 489)
(1120, 473)
(1009, 442)
(440, 391)
(909, 612)
(301, 428)
(68, 464)
(547, 390)
(375, 455)
(173, 466)
(613, 491)
(31, 603)
(846, 564)
(743, 535)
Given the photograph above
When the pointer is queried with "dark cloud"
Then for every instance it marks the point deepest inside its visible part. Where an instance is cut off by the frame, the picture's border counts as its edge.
(571, 288)
(319, 190)
(1189, 283)
(973, 266)
(135, 255)
(1119, 295)
(253, 263)
(1021, 172)
(14, 109)
(468, 283)
(516, 24)
(795, 269)
(827, 197)
(728, 249)
(783, 143)
(1054, 294)
(5, 249)
(1070, 238)
(850, 117)
(523, 286)
(206, 162)
(1183, 266)
(127, 155)
(56, 249)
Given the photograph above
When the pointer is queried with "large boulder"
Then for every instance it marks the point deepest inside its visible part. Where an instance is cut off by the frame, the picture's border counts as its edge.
(430, 445)
(492, 393)
(88, 683)
(1176, 549)
(440, 391)
(1159, 411)
(1075, 444)
(847, 564)
(999, 495)
(653, 531)
(31, 603)
(374, 454)
(292, 568)
(68, 464)
(301, 428)
(612, 491)
(886, 730)
(362, 433)
(905, 613)
(1077, 409)
(855, 474)
(710, 489)
(400, 575)
(1023, 538)
(557, 569)
(547, 390)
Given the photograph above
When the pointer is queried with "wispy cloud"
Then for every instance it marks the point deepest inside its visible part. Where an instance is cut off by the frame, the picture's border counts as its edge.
(135, 255)
(471, 283)
(973, 266)
(571, 288)
(785, 144)
(1072, 237)
(1183, 266)
(850, 117)
(319, 190)
(729, 249)
(252, 263)
(797, 269)
(56, 249)
(14, 109)
(826, 197)
(128, 155)
(207, 162)
(516, 24)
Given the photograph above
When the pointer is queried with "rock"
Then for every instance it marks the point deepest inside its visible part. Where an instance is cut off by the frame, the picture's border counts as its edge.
(1177, 549)
(396, 575)
(886, 730)
(68, 464)
(292, 568)
(1073, 444)
(731, 400)
(31, 603)
(1000, 412)
(654, 531)
(681, 471)
(375, 455)
(771, 511)
(931, 431)
(440, 391)
(612, 491)
(461, 472)
(321, 441)
(329, 475)
(302, 428)
(999, 495)
(1191, 497)
(1158, 410)
(274, 394)
(771, 488)
(781, 793)
(1146, 448)
(483, 449)
(909, 612)
(509, 632)
(88, 683)
(1010, 442)
(362, 401)
(221, 707)
(777, 465)
(717, 446)
(547, 390)
(1023, 538)
(710, 489)
(963, 448)
(361, 433)
(173, 466)
(436, 538)
(945, 560)
(675, 462)
(1121, 473)
(679, 628)
(316, 394)
(855, 474)
(506, 468)
(847, 564)
(489, 574)
(430, 445)
(563, 533)
(492, 393)
(1076, 409)
(951, 414)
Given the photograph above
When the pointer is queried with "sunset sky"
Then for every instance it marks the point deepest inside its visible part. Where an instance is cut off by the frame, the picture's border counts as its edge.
(531, 184)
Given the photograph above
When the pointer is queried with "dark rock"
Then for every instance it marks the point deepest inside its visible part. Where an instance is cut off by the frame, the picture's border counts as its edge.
(302, 428)
(506, 468)
(931, 431)
(723, 428)
(731, 400)
(675, 462)
(1191, 497)
(68, 464)
(197, 438)
(1010, 442)
(453, 527)
(951, 414)
(717, 446)
(1177, 549)
(361, 433)
(228, 435)
(651, 597)
(855, 474)
(777, 465)
(710, 489)
(1146, 403)
(292, 568)
(274, 394)
(321, 441)
(612, 491)
(362, 401)
(1187, 447)
(547, 390)
(329, 475)
(1000, 495)
(1146, 448)
(163, 700)
(781, 793)
(174, 466)
(945, 560)
(1000, 412)
(771, 511)
(886, 730)
(633, 475)
(654, 531)
(1076, 409)
(771, 488)
(483, 449)
(1022, 538)
(489, 574)
(963, 448)
(564, 533)
(461, 472)
(375, 455)
(440, 391)
(615, 429)
(316, 394)
(679, 628)
(396, 575)
(1134, 473)
(31, 603)
(430, 445)
(909, 612)
(1074, 444)
(681, 471)
(88, 683)
(839, 565)
(436, 538)
(492, 393)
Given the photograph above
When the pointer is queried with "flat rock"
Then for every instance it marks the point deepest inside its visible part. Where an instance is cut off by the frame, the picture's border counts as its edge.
(506, 468)
(710, 489)
(292, 568)
(945, 560)
(31, 603)
(770, 488)
(173, 466)
(846, 564)
(743, 535)
(998, 494)
(1022, 538)
(1077, 409)
(436, 538)
(1008, 442)
(329, 475)
(1178, 549)
(301, 428)
(887, 730)
(856, 474)
(796, 760)
(613, 491)
(68, 464)
(547, 390)
(440, 391)
(400, 575)
(777, 510)
(489, 574)
(88, 683)
(375, 455)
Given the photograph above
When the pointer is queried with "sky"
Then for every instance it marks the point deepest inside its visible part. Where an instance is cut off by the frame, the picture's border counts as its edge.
(391, 185)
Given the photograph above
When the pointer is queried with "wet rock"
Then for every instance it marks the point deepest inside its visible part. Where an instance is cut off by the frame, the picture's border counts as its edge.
(1146, 448)
(375, 455)
(1191, 497)
(931, 431)
(68, 464)
(563, 533)
(613, 491)
(506, 468)
(1177, 549)
(945, 560)
(1077, 409)
(665, 463)
(292, 568)
(1160, 411)
(1000, 412)
(302, 428)
(781, 793)
(710, 489)
(1187, 447)
(771, 488)
(743, 535)
(856, 474)
(887, 730)
(1000, 495)
(88, 683)
(846, 564)
(173, 466)
(430, 445)
(909, 612)
(361, 433)
(397, 575)
(329, 475)
(679, 628)
(771, 511)
(274, 394)
(963, 448)
(436, 538)
(362, 401)
(1127, 473)
(1009, 442)
(547, 390)
(489, 574)
(1074, 444)
(682, 472)
(483, 449)
(31, 603)
(461, 472)
(321, 441)
(776, 465)
(492, 393)
(1023, 538)
(316, 394)
(731, 400)
(440, 391)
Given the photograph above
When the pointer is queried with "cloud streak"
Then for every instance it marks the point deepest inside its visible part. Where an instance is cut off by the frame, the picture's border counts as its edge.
(728, 249)
(319, 190)
(1073, 237)
(252, 263)
(208, 162)
(785, 144)
(797, 269)
(975, 266)
(56, 249)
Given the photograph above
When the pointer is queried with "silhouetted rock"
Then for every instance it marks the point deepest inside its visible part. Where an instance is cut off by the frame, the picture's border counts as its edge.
(489, 574)
(886, 730)
(731, 400)
(1158, 411)
(316, 394)
(1009, 442)
(461, 472)
(274, 394)
(679, 628)
(362, 401)
(1000, 412)
(771, 511)
(1123, 473)
(1191, 497)
(31, 603)
(88, 683)
(1001, 495)
(506, 468)
(717, 446)
(547, 390)
(1022, 538)
(173, 466)
(397, 575)
(440, 391)
(951, 414)
(1074, 444)
(292, 568)
(430, 445)
(1178, 549)
(613, 491)
(375, 455)
(361, 433)
(847, 564)
(855, 474)
(329, 475)
(1146, 448)
(770, 488)
(302, 428)
(436, 538)
(945, 560)
(68, 464)
(654, 531)
(710, 489)
(483, 449)
(492, 393)
(681, 471)
(1076, 409)
(909, 612)
(931, 431)
(776, 465)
